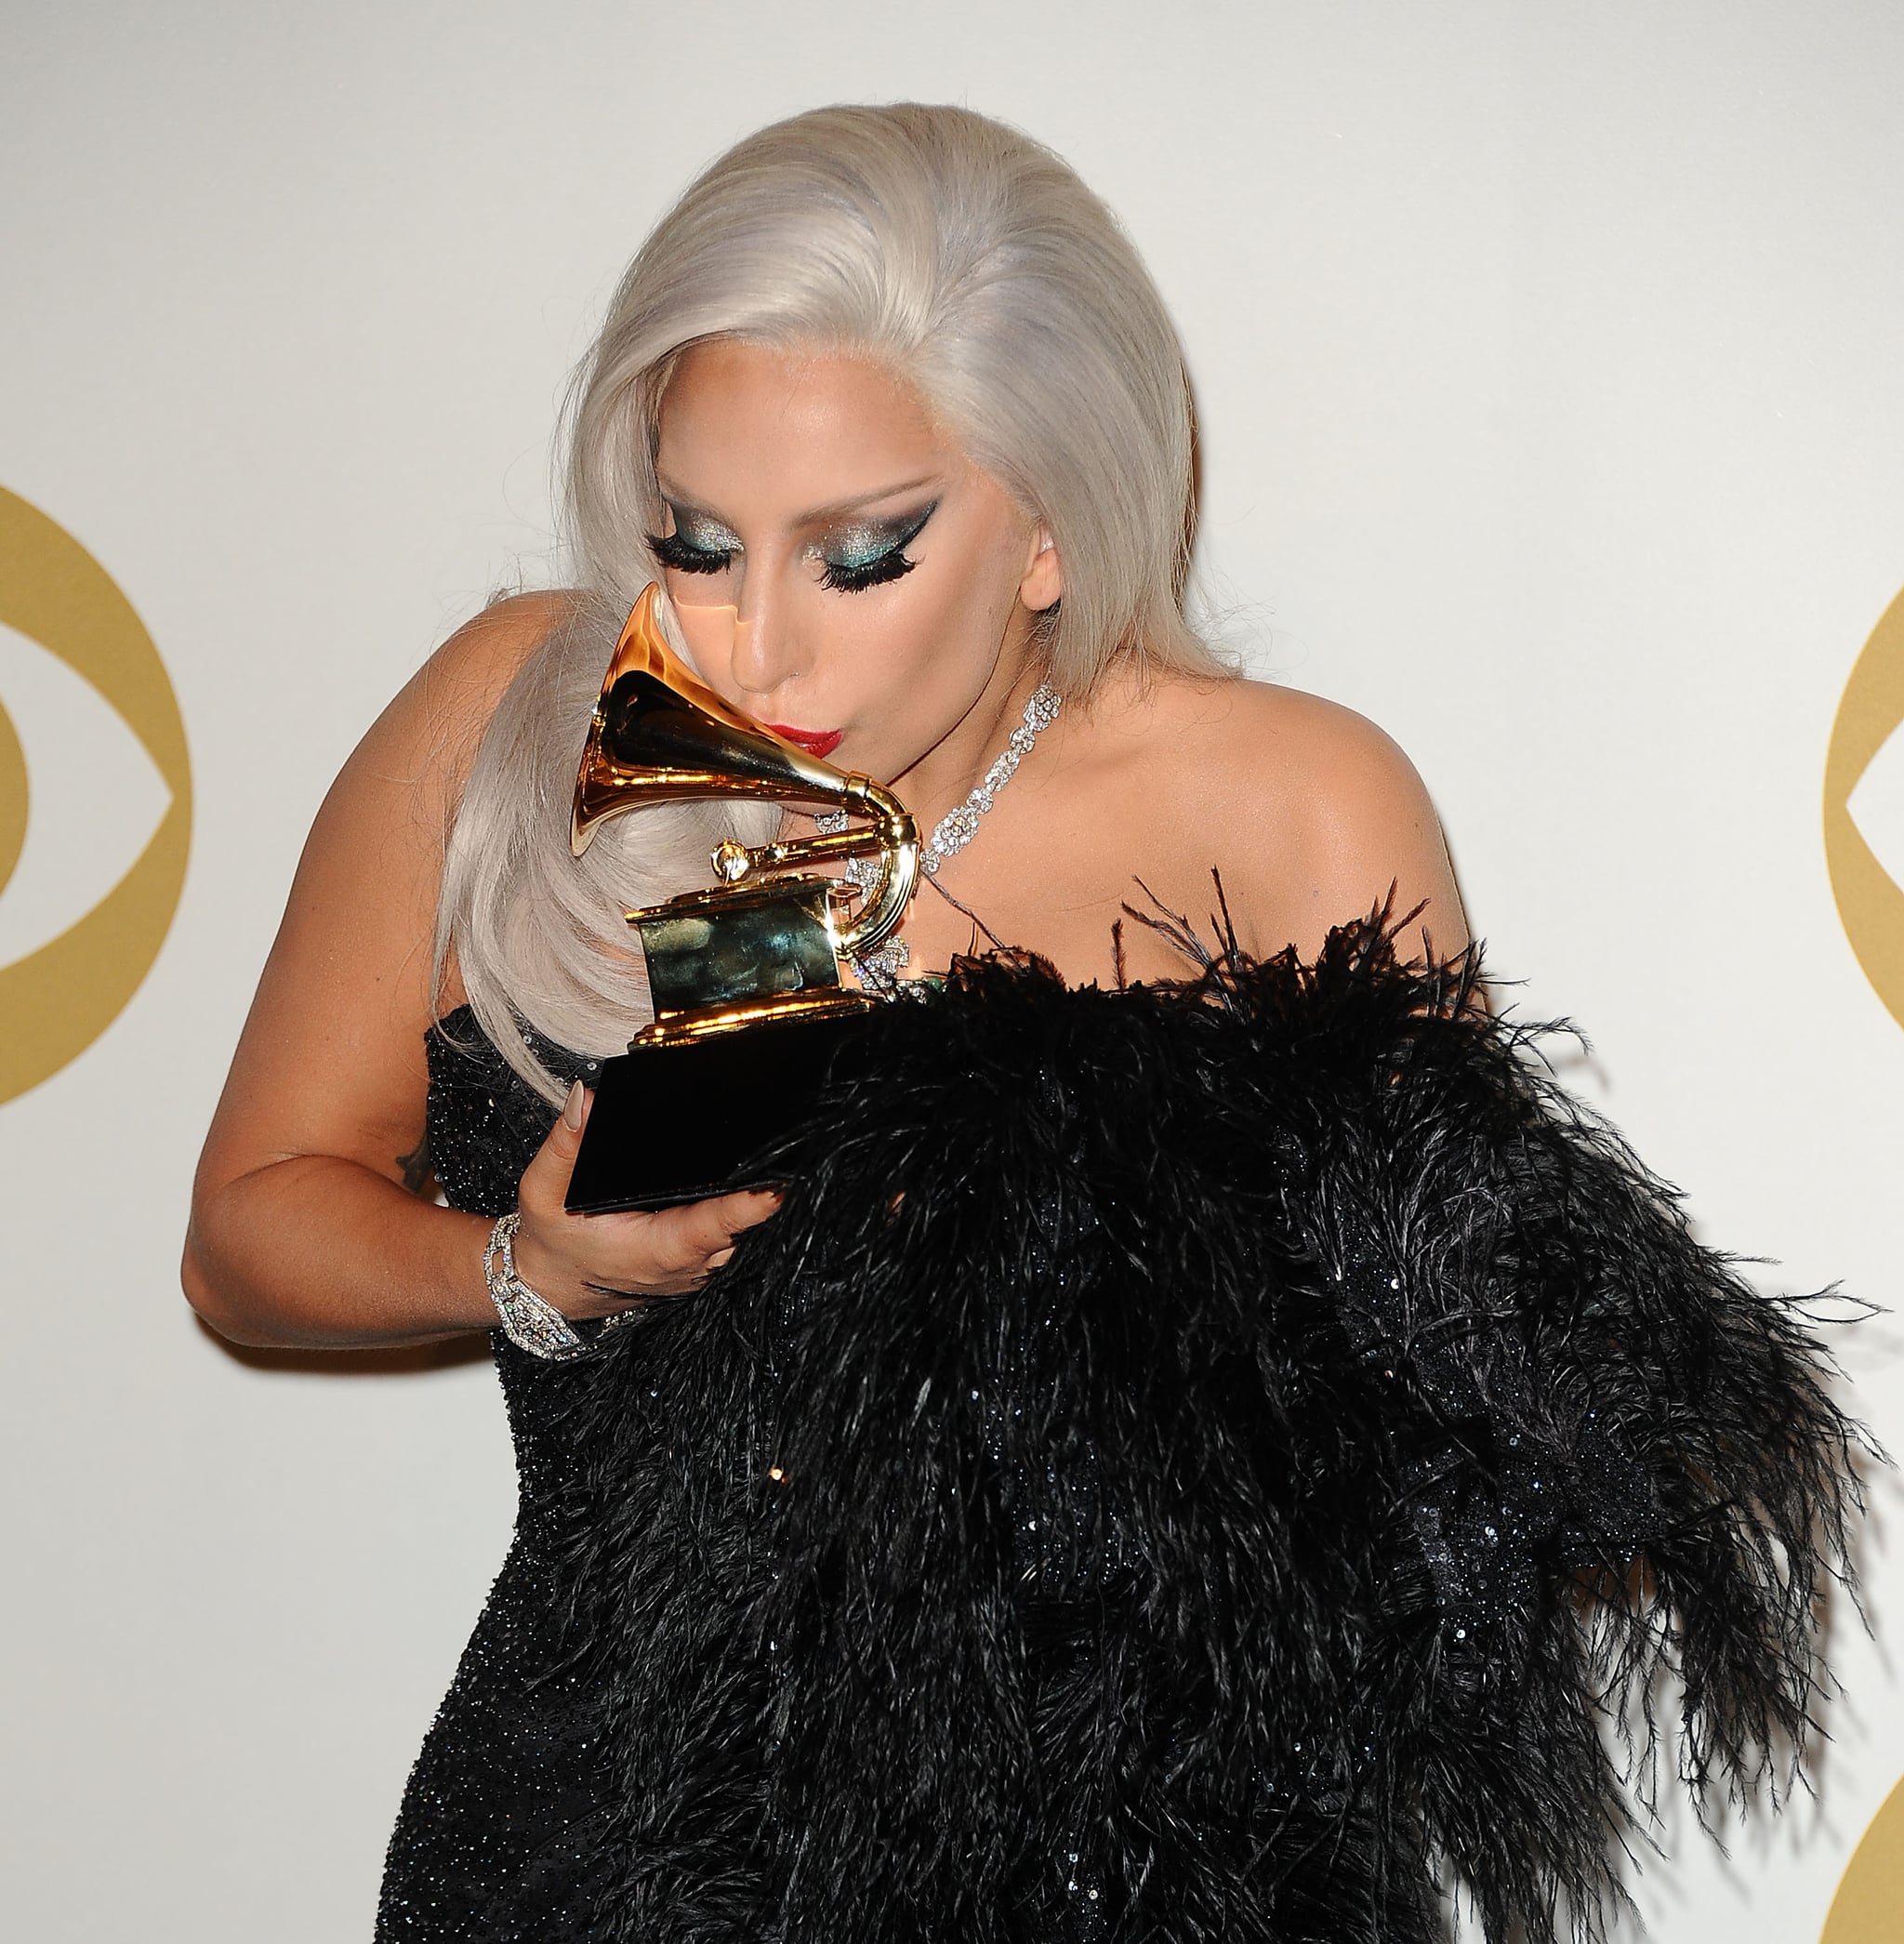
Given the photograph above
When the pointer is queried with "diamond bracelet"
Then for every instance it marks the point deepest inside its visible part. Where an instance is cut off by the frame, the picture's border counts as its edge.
(529, 1321)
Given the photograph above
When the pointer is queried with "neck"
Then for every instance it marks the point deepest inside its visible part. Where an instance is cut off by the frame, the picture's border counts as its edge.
(946, 773)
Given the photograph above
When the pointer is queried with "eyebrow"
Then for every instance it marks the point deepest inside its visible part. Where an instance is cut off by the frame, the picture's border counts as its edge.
(817, 516)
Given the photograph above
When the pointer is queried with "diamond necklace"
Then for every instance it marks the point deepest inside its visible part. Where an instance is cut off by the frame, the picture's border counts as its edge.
(953, 831)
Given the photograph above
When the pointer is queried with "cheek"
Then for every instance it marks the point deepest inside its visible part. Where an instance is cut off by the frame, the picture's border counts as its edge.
(907, 684)
(965, 595)
(895, 636)
(939, 647)
(710, 634)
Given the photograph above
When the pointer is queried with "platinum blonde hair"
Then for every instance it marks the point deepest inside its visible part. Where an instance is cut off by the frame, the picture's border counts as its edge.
(976, 265)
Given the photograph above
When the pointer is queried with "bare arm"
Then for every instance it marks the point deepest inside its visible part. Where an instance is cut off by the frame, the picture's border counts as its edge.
(302, 1232)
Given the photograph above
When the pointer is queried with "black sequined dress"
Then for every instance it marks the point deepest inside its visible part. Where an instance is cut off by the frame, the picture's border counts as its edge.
(500, 1830)
(1186, 1463)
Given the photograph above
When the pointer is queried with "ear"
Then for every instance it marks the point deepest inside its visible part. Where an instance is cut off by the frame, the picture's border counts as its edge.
(1043, 582)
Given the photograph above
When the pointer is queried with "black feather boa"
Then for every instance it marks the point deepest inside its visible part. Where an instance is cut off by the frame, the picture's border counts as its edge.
(1193, 1462)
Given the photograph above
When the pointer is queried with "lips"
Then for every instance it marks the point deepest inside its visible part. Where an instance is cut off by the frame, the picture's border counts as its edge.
(815, 742)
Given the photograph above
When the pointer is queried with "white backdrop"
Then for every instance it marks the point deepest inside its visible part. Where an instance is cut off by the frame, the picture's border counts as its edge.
(1552, 395)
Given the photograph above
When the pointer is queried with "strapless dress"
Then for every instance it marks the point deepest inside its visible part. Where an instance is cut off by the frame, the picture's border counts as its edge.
(1185, 1463)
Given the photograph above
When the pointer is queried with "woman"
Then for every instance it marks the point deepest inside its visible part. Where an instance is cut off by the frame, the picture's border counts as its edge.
(1203, 1421)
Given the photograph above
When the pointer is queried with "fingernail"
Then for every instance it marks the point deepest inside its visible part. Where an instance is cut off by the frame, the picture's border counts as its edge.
(572, 1108)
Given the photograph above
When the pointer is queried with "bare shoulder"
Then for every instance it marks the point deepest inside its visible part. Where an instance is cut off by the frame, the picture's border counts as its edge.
(1321, 811)
(491, 646)
(1330, 777)
(407, 773)
(331, 1060)
(438, 716)
(1255, 753)
(373, 859)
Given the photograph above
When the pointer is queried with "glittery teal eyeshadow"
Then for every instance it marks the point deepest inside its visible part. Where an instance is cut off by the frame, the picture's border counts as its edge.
(705, 535)
(855, 555)
(854, 549)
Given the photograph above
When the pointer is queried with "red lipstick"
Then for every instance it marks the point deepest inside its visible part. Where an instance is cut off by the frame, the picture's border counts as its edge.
(815, 742)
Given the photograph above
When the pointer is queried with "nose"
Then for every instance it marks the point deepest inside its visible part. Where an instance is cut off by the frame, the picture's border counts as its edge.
(767, 652)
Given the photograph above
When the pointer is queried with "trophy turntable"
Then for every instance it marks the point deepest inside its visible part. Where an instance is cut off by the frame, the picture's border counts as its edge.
(750, 1008)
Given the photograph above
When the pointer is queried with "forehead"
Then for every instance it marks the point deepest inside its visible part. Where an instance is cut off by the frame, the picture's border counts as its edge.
(801, 424)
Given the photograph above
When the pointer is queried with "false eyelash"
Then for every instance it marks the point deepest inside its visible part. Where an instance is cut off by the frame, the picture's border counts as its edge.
(843, 579)
(672, 550)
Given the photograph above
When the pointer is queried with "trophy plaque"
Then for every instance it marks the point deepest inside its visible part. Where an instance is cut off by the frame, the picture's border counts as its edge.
(749, 1012)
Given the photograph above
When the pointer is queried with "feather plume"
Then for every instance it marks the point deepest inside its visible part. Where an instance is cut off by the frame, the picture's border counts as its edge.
(1195, 1461)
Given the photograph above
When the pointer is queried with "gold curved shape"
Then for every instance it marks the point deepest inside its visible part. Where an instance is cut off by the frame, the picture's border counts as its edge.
(59, 997)
(897, 837)
(1865, 1908)
(1871, 904)
(659, 733)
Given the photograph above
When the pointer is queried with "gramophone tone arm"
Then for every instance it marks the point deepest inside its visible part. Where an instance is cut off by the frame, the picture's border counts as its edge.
(893, 837)
(734, 862)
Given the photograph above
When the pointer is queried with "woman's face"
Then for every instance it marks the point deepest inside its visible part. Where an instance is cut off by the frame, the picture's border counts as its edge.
(842, 572)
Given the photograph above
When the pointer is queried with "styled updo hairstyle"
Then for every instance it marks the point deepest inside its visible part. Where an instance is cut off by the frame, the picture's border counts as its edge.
(978, 267)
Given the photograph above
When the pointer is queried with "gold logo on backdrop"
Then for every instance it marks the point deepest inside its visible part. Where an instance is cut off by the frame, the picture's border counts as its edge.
(1864, 809)
(61, 996)
(1870, 1896)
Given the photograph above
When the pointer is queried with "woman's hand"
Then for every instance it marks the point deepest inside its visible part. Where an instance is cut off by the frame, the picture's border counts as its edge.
(592, 1265)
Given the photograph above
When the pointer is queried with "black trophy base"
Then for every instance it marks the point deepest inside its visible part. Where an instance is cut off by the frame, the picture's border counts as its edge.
(671, 1124)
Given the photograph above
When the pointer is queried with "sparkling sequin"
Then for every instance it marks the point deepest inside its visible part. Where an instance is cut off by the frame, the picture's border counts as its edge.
(496, 1836)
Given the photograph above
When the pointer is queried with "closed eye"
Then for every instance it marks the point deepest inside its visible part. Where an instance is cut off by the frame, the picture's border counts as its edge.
(871, 552)
(844, 578)
(672, 550)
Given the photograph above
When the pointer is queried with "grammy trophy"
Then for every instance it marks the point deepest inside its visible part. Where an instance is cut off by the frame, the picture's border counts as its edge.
(748, 1009)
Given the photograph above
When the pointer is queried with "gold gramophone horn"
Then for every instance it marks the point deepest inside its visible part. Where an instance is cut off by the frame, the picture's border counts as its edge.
(659, 733)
